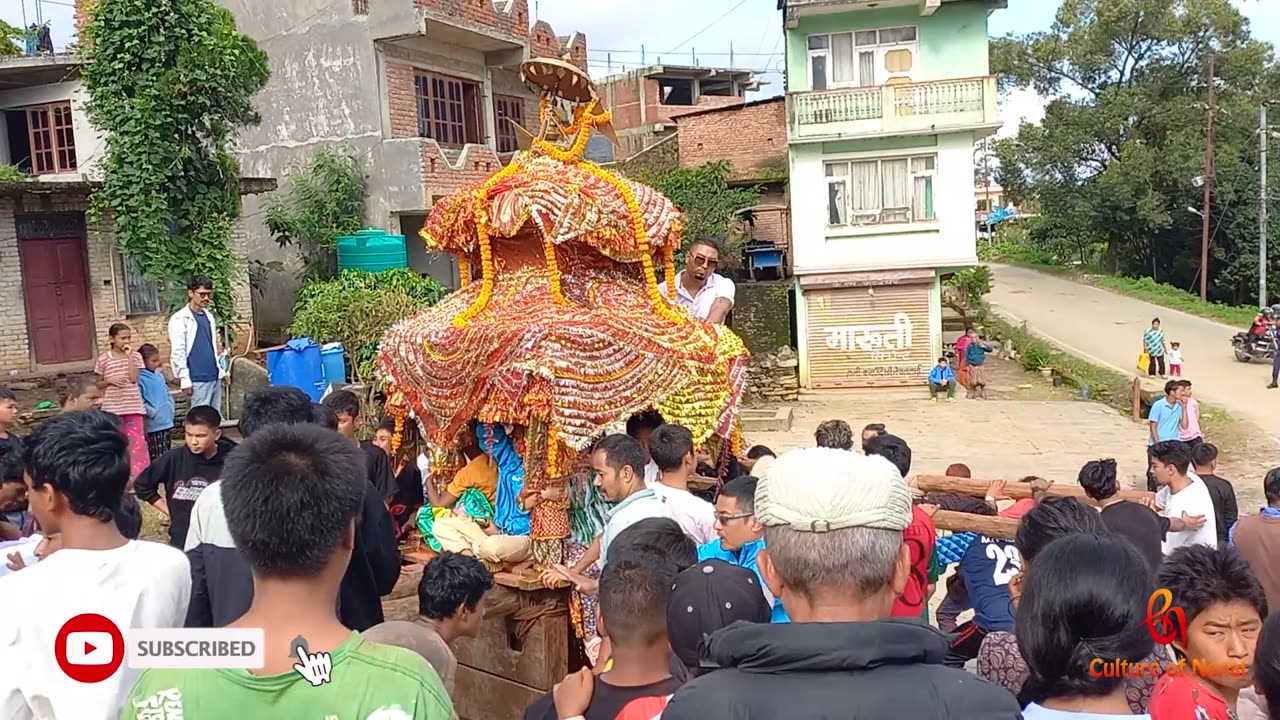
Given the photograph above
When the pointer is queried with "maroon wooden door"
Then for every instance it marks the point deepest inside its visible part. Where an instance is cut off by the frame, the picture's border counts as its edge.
(59, 315)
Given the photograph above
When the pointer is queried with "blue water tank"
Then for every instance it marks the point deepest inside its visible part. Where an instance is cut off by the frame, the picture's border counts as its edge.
(372, 250)
(299, 364)
(333, 358)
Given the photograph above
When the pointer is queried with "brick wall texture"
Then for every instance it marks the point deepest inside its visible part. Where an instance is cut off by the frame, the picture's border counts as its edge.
(752, 138)
(105, 283)
(762, 315)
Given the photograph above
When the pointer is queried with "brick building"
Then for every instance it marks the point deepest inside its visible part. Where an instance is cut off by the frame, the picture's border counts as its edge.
(753, 138)
(65, 280)
(417, 90)
(646, 102)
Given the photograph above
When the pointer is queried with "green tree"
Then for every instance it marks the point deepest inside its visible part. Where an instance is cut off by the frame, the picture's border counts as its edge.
(325, 199)
(11, 39)
(169, 82)
(1123, 135)
(709, 204)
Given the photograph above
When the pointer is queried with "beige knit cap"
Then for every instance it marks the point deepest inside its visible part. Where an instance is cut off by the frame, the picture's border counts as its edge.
(822, 489)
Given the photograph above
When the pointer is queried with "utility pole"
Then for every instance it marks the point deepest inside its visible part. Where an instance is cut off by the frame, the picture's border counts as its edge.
(1264, 135)
(1208, 192)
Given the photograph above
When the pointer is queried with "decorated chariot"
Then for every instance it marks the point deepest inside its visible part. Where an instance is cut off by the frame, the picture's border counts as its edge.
(560, 332)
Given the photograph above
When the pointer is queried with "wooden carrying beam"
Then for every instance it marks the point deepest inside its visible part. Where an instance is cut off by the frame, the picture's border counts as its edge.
(988, 525)
(1014, 490)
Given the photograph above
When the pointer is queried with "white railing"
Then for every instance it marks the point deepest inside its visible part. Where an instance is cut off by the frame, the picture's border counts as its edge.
(894, 107)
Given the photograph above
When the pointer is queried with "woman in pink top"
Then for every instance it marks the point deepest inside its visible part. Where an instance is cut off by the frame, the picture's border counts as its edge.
(117, 370)
(1191, 433)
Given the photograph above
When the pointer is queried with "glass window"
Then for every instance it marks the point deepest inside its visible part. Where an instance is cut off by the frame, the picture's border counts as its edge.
(889, 36)
(880, 191)
(818, 72)
(817, 42)
(865, 37)
(142, 296)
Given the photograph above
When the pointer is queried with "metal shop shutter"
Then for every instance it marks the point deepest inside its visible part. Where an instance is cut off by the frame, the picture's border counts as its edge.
(868, 337)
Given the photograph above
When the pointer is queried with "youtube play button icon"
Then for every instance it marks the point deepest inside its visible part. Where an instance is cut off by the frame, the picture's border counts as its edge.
(89, 648)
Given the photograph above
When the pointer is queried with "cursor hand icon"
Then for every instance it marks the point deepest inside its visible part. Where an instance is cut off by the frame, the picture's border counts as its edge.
(314, 668)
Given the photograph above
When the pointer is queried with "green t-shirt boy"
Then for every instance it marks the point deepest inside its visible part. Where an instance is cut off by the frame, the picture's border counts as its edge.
(367, 680)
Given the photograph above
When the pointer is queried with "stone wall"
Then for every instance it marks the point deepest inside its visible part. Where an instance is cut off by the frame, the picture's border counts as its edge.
(774, 377)
(762, 315)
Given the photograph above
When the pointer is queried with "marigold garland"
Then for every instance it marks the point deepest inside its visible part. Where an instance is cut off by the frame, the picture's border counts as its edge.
(397, 437)
(669, 268)
(480, 204)
(646, 257)
(553, 270)
(464, 271)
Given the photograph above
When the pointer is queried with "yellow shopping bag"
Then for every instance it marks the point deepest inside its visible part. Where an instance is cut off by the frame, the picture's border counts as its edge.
(1144, 363)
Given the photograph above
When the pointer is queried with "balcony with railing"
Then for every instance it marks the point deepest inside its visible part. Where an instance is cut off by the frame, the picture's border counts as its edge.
(906, 109)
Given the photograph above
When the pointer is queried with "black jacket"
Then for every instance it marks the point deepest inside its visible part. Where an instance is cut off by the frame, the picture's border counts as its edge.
(222, 584)
(184, 475)
(824, 671)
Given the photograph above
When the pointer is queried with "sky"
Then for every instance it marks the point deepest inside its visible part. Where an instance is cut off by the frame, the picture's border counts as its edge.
(704, 32)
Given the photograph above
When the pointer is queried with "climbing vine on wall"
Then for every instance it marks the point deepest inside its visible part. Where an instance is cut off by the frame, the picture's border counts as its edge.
(169, 82)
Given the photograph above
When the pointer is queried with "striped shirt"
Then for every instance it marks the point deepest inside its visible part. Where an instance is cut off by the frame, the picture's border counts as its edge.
(1155, 342)
(126, 400)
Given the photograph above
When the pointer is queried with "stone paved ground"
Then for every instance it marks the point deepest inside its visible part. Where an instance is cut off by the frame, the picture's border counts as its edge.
(1028, 430)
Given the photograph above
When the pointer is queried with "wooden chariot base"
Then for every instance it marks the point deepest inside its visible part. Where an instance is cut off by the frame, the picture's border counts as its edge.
(525, 646)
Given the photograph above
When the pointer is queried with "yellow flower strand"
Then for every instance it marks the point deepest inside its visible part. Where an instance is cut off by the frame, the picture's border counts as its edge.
(464, 271)
(553, 271)
(553, 464)
(480, 208)
(669, 267)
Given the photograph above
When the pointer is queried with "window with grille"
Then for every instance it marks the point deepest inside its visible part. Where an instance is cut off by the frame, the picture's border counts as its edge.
(881, 191)
(53, 139)
(507, 107)
(142, 296)
(449, 110)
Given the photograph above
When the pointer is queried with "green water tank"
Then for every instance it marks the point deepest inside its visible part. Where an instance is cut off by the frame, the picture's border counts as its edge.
(372, 250)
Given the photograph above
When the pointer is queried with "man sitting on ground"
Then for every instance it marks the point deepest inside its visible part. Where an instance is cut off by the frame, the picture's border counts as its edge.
(740, 535)
(451, 597)
(316, 479)
(942, 380)
(837, 558)
(633, 615)
(77, 467)
(671, 447)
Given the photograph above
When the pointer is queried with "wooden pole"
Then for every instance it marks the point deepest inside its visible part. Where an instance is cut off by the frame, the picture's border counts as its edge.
(1015, 490)
(1208, 191)
(988, 525)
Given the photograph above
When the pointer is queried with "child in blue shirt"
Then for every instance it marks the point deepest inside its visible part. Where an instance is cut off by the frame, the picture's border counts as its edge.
(157, 401)
(942, 380)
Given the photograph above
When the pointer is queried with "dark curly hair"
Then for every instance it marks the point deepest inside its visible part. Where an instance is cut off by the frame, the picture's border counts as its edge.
(451, 582)
(1054, 517)
(1075, 610)
(1098, 478)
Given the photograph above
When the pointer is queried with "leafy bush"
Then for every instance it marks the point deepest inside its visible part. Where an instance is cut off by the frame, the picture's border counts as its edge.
(358, 307)
(325, 199)
(13, 173)
(973, 283)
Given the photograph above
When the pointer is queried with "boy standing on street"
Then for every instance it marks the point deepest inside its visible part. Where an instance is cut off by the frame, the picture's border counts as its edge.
(314, 478)
(157, 402)
(976, 359)
(186, 471)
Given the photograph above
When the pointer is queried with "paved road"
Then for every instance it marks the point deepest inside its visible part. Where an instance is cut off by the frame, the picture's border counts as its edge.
(1107, 328)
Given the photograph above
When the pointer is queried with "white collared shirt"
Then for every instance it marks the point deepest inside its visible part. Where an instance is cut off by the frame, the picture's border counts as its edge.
(716, 287)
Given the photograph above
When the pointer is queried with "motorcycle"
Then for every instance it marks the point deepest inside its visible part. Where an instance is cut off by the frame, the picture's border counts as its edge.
(1249, 347)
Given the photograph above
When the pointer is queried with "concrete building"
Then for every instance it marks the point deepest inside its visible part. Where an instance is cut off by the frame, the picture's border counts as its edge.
(885, 101)
(416, 89)
(647, 101)
(65, 281)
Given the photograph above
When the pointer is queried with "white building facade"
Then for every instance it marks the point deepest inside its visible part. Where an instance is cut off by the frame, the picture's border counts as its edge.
(886, 101)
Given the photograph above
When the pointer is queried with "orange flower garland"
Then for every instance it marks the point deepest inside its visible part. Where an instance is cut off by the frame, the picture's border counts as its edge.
(553, 270)
(480, 206)
(642, 242)
(669, 268)
(464, 271)
(553, 464)
(397, 436)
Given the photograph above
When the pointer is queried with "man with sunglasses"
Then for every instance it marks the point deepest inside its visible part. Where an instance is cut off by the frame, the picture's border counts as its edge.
(700, 289)
(193, 339)
(741, 537)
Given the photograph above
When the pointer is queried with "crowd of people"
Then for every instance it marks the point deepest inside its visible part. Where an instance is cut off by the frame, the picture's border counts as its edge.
(801, 587)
